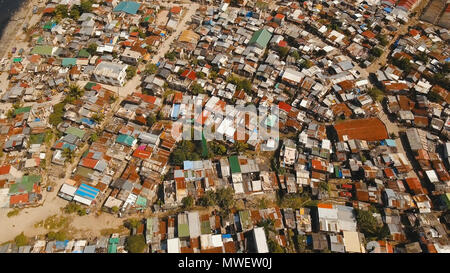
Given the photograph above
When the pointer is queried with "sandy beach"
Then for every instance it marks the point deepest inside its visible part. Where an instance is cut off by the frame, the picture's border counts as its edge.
(13, 32)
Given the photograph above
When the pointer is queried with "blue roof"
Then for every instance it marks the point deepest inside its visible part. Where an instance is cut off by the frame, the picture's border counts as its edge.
(87, 191)
(61, 244)
(87, 121)
(391, 143)
(388, 10)
(175, 111)
(224, 236)
(128, 7)
(188, 165)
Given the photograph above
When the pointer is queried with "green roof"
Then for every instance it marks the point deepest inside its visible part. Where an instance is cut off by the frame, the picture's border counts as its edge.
(37, 138)
(42, 50)
(245, 219)
(183, 230)
(141, 201)
(83, 54)
(125, 139)
(25, 184)
(112, 248)
(205, 227)
(69, 62)
(22, 110)
(17, 60)
(49, 25)
(234, 164)
(261, 38)
(75, 132)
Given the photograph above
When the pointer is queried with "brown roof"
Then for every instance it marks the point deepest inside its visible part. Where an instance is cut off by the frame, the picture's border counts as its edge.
(370, 129)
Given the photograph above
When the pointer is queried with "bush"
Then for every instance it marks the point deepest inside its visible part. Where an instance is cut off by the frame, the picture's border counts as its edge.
(171, 55)
(208, 199)
(197, 89)
(131, 72)
(136, 244)
(13, 212)
(21, 240)
(151, 68)
(188, 202)
(375, 51)
(225, 198)
(58, 236)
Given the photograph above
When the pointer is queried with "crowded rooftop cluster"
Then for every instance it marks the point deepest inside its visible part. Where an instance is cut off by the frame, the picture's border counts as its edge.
(354, 95)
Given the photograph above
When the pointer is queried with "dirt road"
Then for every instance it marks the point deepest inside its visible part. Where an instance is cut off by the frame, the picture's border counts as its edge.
(165, 46)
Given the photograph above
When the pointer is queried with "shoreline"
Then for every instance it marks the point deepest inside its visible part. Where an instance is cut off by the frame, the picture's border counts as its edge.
(13, 28)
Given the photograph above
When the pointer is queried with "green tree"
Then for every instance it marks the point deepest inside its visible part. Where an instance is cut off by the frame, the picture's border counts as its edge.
(93, 138)
(98, 117)
(376, 94)
(21, 240)
(295, 54)
(208, 199)
(115, 209)
(75, 12)
(283, 51)
(136, 244)
(68, 154)
(383, 40)
(151, 68)
(201, 75)
(239, 147)
(171, 55)
(368, 225)
(61, 11)
(58, 236)
(151, 119)
(375, 51)
(92, 48)
(434, 97)
(225, 198)
(131, 72)
(86, 6)
(274, 247)
(197, 89)
(188, 202)
(55, 117)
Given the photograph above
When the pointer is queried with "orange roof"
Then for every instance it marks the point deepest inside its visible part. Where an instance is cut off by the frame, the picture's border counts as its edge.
(175, 10)
(369, 129)
(325, 206)
(18, 199)
(5, 169)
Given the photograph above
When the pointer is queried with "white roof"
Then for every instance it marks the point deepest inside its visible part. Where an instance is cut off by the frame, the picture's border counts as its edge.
(82, 200)
(352, 243)
(260, 239)
(68, 189)
(173, 245)
(238, 187)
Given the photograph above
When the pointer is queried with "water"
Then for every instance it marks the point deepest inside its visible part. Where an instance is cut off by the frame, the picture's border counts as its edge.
(7, 10)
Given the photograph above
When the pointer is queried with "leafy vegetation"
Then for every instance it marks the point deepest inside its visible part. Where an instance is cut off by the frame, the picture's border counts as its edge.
(13, 212)
(58, 236)
(376, 94)
(68, 155)
(151, 68)
(188, 202)
(136, 244)
(375, 51)
(197, 89)
(241, 84)
(131, 72)
(73, 207)
(368, 225)
(171, 55)
(185, 151)
(21, 240)
(434, 97)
